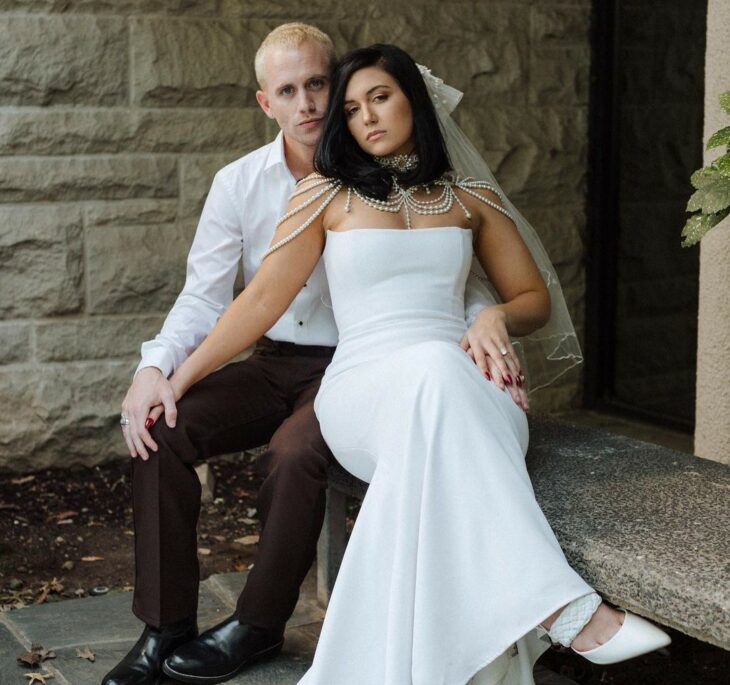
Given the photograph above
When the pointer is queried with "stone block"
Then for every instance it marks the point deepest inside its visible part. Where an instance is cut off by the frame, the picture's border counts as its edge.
(53, 60)
(559, 76)
(560, 25)
(479, 48)
(82, 178)
(90, 131)
(199, 7)
(196, 63)
(94, 338)
(15, 342)
(561, 229)
(196, 175)
(504, 127)
(95, 620)
(41, 261)
(131, 212)
(63, 414)
(136, 269)
(10, 647)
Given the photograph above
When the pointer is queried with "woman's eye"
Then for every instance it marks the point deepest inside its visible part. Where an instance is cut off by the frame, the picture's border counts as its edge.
(350, 112)
(380, 98)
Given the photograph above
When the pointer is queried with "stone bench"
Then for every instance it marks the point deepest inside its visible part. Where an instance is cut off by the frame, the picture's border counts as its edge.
(647, 526)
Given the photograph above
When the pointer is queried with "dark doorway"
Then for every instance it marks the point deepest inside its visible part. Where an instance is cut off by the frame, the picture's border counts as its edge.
(646, 139)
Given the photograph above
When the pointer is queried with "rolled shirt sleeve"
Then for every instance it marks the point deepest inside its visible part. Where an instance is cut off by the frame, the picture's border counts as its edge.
(212, 266)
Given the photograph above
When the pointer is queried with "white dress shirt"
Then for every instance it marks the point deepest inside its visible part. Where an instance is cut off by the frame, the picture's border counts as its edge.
(246, 199)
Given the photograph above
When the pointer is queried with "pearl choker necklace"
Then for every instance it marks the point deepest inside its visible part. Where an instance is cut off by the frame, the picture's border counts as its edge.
(399, 163)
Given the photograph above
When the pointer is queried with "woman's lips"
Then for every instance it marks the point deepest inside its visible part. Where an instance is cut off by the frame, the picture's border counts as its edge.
(375, 135)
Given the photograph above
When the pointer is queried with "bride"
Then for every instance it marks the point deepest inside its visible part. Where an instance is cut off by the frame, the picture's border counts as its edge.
(451, 565)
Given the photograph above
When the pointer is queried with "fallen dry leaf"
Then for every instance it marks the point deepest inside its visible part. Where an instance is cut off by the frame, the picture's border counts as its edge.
(61, 516)
(85, 653)
(23, 480)
(38, 677)
(92, 558)
(47, 588)
(204, 551)
(247, 540)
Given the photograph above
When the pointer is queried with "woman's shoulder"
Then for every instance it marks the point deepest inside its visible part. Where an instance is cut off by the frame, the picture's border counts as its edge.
(311, 196)
(316, 180)
(483, 191)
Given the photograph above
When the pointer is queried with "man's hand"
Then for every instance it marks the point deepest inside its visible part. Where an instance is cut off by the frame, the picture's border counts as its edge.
(487, 342)
(149, 395)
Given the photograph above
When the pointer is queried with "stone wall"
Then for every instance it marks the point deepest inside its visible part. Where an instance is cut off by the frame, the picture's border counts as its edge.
(114, 116)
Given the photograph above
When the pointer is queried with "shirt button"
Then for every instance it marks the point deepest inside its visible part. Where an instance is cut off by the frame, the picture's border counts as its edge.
(305, 285)
(301, 323)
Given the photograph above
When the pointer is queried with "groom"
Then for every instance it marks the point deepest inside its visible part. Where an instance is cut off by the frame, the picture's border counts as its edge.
(268, 398)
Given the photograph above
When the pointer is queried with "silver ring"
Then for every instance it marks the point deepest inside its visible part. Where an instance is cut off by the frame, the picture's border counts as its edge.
(124, 420)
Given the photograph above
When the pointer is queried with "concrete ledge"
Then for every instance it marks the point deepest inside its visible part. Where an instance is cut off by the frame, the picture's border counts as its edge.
(647, 526)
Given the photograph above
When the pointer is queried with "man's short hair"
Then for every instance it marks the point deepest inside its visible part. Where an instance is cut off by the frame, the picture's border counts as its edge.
(292, 36)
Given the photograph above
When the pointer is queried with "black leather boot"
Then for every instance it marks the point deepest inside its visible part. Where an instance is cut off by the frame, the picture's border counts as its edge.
(222, 652)
(143, 663)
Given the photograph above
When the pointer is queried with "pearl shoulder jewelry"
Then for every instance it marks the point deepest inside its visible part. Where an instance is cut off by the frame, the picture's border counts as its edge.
(399, 198)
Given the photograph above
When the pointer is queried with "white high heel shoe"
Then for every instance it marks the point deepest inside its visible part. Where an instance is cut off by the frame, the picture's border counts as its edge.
(636, 635)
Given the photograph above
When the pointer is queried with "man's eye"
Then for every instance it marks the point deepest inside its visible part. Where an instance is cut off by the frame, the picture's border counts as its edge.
(316, 83)
(287, 90)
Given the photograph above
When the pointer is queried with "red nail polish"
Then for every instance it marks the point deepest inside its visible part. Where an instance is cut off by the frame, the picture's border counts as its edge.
(148, 422)
(508, 379)
(519, 381)
(487, 375)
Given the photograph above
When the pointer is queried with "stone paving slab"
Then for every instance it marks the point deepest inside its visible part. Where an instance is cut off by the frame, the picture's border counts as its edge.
(94, 620)
(107, 626)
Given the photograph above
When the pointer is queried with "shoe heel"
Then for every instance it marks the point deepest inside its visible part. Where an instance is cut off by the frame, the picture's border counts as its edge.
(635, 637)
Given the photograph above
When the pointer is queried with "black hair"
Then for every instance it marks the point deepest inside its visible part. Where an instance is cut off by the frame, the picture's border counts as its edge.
(339, 156)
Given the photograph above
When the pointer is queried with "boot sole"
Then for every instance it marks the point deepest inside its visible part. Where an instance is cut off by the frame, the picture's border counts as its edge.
(263, 655)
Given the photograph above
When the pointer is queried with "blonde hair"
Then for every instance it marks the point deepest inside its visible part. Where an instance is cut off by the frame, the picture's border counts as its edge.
(292, 36)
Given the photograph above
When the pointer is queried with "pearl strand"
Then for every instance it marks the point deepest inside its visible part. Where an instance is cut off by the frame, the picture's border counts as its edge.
(335, 189)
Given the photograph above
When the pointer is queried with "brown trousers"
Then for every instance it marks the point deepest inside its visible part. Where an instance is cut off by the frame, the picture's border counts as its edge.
(267, 398)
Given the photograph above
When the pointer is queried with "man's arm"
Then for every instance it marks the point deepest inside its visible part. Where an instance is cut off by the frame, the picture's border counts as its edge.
(211, 271)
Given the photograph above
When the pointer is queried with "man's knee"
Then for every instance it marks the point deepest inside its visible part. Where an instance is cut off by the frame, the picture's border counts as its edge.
(292, 459)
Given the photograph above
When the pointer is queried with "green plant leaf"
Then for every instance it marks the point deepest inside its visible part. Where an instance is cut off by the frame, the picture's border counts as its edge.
(721, 137)
(704, 177)
(711, 198)
(725, 101)
(722, 164)
(698, 225)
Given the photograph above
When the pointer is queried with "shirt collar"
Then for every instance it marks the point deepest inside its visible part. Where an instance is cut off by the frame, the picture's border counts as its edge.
(276, 155)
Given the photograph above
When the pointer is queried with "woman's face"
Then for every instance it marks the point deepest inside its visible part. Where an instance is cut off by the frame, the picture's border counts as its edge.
(378, 113)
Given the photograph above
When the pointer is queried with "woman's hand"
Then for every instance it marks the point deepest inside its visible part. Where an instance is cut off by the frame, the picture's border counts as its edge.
(487, 343)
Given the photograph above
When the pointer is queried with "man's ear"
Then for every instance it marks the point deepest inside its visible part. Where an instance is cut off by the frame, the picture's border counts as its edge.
(263, 101)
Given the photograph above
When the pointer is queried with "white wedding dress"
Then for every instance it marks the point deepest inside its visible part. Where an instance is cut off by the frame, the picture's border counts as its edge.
(451, 562)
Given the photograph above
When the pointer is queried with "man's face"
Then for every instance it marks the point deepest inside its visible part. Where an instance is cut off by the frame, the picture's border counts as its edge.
(296, 90)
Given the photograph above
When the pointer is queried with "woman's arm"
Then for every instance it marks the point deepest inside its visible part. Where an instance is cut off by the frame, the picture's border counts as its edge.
(278, 280)
(511, 269)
